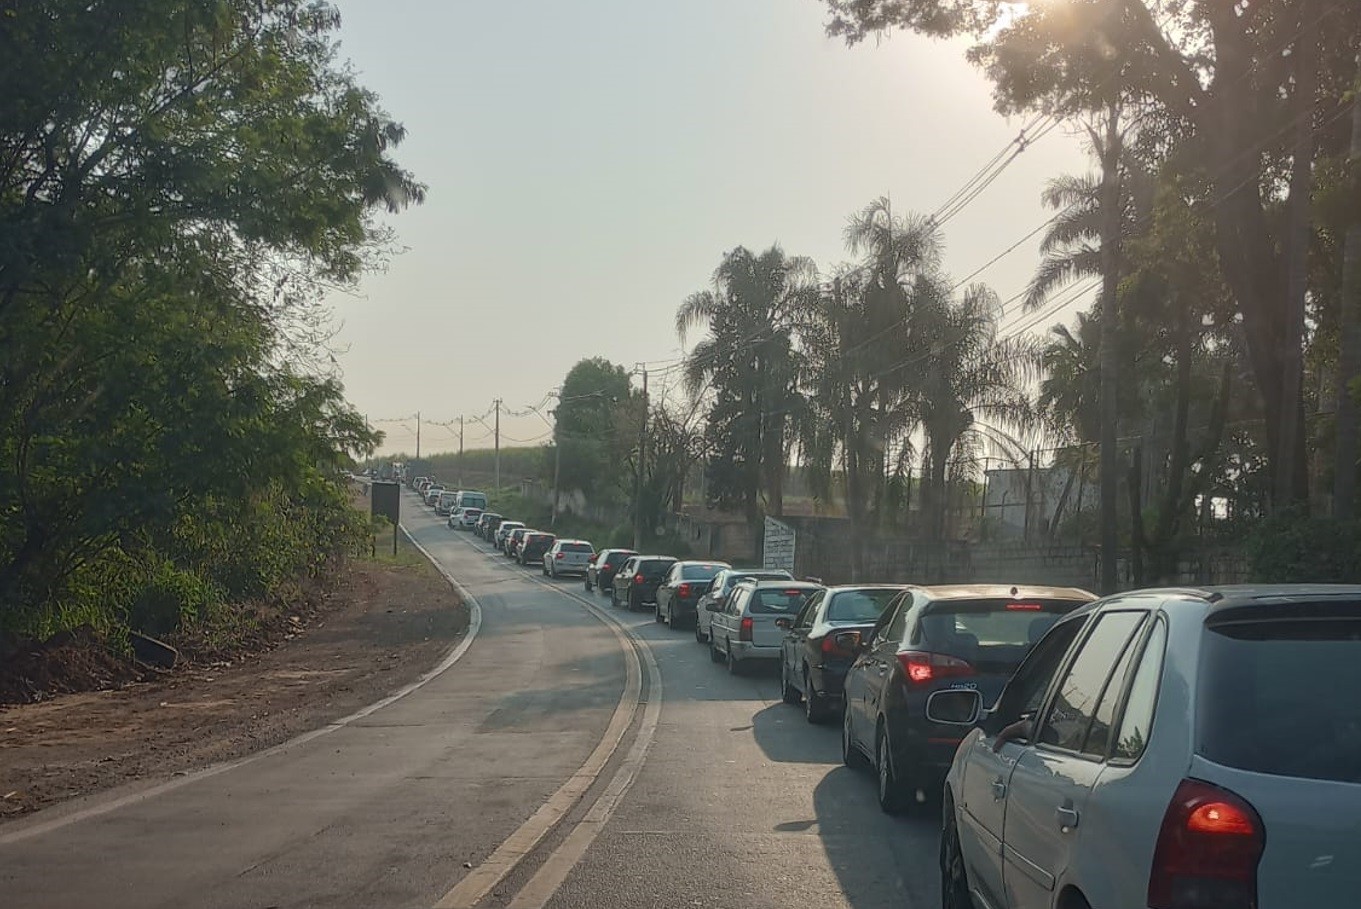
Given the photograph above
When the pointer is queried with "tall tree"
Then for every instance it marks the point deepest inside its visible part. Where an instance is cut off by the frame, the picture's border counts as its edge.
(746, 361)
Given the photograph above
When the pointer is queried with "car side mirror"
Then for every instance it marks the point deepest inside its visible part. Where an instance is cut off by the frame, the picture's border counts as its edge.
(784, 623)
(848, 640)
(955, 707)
(713, 607)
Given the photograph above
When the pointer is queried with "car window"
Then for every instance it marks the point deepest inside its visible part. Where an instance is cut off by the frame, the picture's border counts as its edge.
(1069, 717)
(898, 624)
(1103, 718)
(577, 547)
(859, 605)
(993, 634)
(736, 601)
(1278, 696)
(652, 569)
(778, 600)
(1025, 691)
(1143, 697)
(810, 610)
(699, 572)
(878, 633)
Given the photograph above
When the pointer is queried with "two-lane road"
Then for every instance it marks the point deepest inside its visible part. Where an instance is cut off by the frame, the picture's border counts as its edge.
(537, 770)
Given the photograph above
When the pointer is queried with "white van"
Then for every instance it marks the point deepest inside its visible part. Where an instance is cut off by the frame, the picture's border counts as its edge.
(471, 498)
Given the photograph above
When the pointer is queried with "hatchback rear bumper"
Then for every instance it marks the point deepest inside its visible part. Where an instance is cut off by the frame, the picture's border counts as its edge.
(746, 650)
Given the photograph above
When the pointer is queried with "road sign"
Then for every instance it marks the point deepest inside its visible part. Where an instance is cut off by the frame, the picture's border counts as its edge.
(778, 551)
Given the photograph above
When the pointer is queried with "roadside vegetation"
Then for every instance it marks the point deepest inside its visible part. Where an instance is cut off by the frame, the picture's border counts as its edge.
(173, 203)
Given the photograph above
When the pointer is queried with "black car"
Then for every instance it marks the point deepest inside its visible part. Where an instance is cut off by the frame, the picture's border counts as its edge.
(813, 657)
(514, 539)
(929, 639)
(533, 546)
(601, 571)
(635, 584)
(678, 597)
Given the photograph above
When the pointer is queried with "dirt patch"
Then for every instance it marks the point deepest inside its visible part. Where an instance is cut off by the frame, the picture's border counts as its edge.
(380, 625)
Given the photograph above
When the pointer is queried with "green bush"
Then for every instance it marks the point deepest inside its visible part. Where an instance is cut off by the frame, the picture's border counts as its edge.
(1292, 547)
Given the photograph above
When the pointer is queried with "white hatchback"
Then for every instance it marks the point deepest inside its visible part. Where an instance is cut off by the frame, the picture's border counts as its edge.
(1172, 749)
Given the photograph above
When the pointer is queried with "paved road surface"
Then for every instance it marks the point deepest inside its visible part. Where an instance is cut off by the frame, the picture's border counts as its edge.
(723, 798)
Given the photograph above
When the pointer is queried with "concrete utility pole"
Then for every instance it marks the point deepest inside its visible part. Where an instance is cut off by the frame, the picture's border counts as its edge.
(1349, 352)
(497, 431)
(1110, 339)
(460, 450)
(638, 480)
(557, 467)
(418, 435)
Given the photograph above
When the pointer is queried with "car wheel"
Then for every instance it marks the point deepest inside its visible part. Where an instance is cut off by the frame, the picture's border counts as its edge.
(851, 755)
(815, 707)
(715, 655)
(788, 693)
(700, 636)
(954, 877)
(587, 582)
(892, 797)
(658, 616)
(734, 664)
(633, 602)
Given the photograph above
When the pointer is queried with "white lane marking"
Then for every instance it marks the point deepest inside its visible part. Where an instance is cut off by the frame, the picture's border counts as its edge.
(565, 857)
(474, 626)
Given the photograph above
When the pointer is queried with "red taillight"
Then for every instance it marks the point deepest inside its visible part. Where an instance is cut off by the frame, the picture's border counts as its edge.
(1025, 607)
(637, 579)
(921, 667)
(830, 648)
(1208, 849)
(683, 591)
(558, 556)
(744, 630)
(605, 567)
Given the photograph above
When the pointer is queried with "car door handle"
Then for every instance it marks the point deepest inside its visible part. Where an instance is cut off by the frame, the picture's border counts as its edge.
(999, 789)
(1067, 818)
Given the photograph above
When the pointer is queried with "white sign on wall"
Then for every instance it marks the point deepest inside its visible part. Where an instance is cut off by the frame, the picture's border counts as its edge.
(778, 551)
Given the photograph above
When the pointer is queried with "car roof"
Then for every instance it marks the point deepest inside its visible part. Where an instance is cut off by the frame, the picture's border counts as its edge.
(722, 565)
(837, 588)
(769, 583)
(570, 540)
(1234, 596)
(645, 557)
(1016, 591)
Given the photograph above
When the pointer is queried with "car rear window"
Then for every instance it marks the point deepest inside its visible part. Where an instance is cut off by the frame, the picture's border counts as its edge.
(577, 547)
(655, 568)
(733, 579)
(700, 572)
(778, 600)
(858, 605)
(992, 634)
(1279, 697)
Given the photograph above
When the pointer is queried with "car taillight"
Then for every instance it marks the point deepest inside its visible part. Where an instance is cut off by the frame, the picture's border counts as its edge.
(744, 629)
(605, 567)
(683, 591)
(558, 556)
(831, 648)
(921, 667)
(637, 579)
(1208, 849)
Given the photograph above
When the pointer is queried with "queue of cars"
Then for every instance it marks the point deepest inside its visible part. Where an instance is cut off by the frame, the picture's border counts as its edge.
(1170, 749)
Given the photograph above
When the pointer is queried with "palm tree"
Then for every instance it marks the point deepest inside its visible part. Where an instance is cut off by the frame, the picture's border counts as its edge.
(746, 364)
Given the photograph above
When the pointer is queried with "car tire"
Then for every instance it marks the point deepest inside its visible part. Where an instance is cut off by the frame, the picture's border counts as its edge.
(700, 636)
(954, 876)
(734, 664)
(657, 616)
(893, 796)
(587, 582)
(815, 707)
(788, 693)
(715, 655)
(633, 602)
(851, 755)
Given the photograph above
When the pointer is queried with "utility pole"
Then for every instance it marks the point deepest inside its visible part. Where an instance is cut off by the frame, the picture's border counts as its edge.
(557, 467)
(497, 431)
(1111, 151)
(418, 435)
(638, 480)
(1349, 345)
(460, 451)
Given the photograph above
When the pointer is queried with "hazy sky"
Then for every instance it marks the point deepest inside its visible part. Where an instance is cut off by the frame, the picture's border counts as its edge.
(589, 163)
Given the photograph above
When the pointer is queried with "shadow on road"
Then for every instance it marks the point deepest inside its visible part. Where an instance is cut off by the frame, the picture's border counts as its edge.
(785, 736)
(872, 853)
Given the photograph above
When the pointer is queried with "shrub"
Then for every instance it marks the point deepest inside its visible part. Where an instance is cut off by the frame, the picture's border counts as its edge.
(1292, 547)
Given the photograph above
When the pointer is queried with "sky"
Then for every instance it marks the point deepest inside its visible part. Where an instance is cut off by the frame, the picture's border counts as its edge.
(590, 163)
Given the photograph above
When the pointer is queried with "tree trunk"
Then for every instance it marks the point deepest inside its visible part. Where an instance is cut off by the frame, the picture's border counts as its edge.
(1170, 509)
(1110, 359)
(1290, 454)
(1137, 543)
(1349, 344)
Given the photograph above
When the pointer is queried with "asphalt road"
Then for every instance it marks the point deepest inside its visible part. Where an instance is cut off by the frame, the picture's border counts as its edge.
(561, 761)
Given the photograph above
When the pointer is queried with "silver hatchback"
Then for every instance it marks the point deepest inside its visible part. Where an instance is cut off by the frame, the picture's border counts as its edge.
(1173, 749)
(568, 557)
(746, 627)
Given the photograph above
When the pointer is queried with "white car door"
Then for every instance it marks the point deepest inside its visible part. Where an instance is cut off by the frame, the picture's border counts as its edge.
(1053, 776)
(982, 795)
